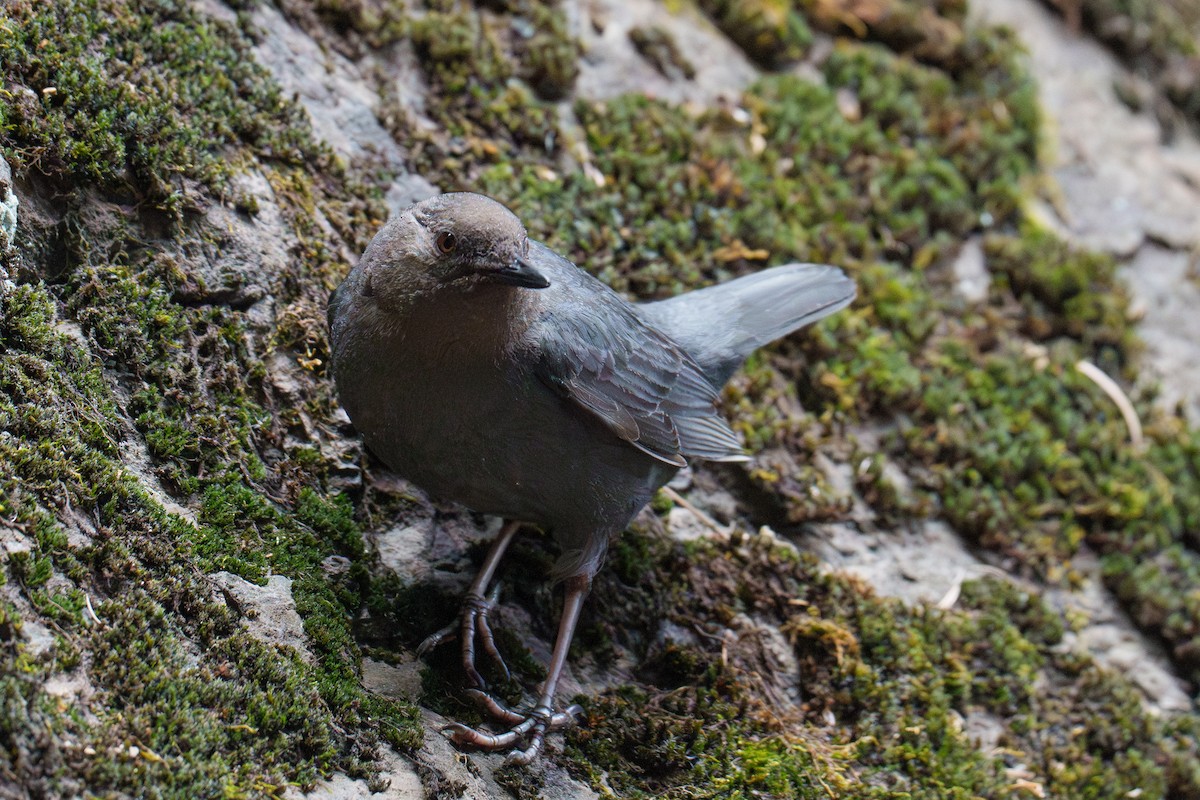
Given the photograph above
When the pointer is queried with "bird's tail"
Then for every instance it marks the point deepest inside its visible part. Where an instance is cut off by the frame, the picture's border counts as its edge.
(722, 324)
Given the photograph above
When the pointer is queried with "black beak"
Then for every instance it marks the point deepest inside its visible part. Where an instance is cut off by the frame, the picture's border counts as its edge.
(521, 273)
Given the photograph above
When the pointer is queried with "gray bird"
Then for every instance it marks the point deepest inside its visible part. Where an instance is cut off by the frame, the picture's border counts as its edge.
(492, 371)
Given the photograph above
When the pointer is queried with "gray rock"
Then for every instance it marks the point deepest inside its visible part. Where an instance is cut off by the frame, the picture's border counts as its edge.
(398, 780)
(898, 563)
(971, 277)
(13, 541)
(1170, 326)
(406, 190)
(38, 638)
(342, 97)
(612, 67)
(685, 526)
(397, 681)
(8, 207)
(402, 548)
(1121, 188)
(269, 611)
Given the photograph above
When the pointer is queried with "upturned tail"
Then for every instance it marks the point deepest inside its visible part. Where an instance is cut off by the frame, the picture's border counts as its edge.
(721, 325)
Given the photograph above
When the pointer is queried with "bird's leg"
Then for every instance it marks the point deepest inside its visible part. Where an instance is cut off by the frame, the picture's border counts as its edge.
(474, 617)
(534, 726)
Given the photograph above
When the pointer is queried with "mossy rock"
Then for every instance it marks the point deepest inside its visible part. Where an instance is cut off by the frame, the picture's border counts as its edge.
(147, 437)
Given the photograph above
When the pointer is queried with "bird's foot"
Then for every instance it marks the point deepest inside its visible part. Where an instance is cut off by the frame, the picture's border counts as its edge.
(524, 729)
(473, 622)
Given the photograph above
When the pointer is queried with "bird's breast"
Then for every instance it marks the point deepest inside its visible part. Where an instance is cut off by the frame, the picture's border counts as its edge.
(453, 403)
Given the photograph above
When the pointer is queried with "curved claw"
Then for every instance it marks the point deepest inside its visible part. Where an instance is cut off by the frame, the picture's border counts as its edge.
(506, 716)
(523, 758)
(565, 718)
(431, 641)
(531, 728)
(485, 637)
(495, 709)
(464, 735)
(540, 716)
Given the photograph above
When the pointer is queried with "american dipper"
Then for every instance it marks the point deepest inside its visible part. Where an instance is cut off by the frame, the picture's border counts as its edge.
(491, 371)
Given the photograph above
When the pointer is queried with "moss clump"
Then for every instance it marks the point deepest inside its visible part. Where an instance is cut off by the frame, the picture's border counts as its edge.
(885, 690)
(549, 55)
(137, 98)
(1064, 292)
(141, 333)
(378, 22)
(28, 724)
(656, 45)
(930, 30)
(770, 31)
(236, 722)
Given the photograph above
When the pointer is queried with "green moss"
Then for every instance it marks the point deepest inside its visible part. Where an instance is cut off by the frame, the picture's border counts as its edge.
(550, 55)
(379, 22)
(136, 98)
(920, 137)
(177, 346)
(225, 726)
(1064, 292)
(218, 724)
(886, 689)
(657, 45)
(931, 30)
(770, 31)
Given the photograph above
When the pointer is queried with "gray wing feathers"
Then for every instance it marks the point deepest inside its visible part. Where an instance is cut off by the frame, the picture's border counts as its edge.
(640, 384)
(720, 325)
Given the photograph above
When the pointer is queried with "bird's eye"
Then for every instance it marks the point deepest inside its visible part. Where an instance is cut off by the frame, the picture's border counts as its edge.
(446, 242)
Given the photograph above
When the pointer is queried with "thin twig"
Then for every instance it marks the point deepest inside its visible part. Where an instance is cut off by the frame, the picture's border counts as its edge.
(951, 596)
(87, 602)
(1110, 388)
(680, 500)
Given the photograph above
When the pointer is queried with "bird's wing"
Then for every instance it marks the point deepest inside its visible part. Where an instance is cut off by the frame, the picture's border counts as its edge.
(648, 391)
(720, 325)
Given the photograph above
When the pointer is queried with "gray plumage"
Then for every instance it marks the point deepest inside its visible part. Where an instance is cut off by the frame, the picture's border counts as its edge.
(559, 404)
(720, 325)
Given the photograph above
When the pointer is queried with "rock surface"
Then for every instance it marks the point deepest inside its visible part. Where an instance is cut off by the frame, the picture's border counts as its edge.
(1121, 185)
